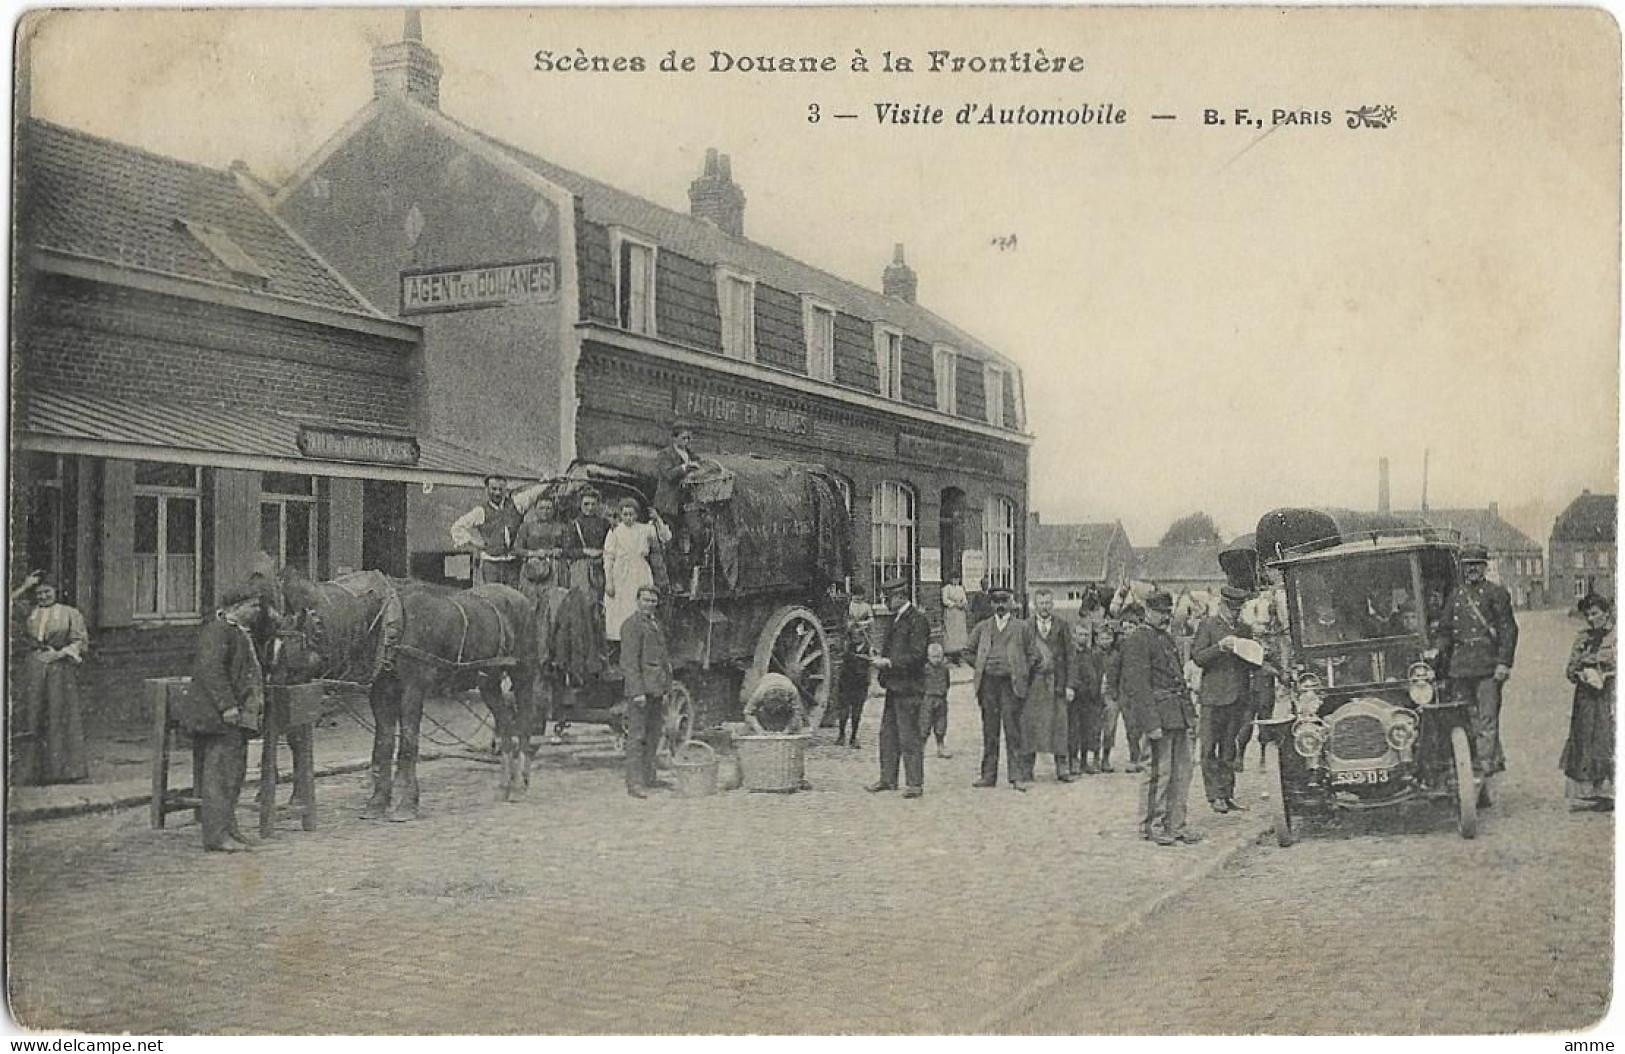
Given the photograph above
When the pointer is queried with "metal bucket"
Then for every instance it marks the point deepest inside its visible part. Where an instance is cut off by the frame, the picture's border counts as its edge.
(694, 766)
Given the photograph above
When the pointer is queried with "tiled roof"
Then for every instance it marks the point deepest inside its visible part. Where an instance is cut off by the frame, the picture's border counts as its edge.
(1589, 518)
(1180, 563)
(708, 244)
(1069, 552)
(96, 198)
(219, 429)
(1482, 526)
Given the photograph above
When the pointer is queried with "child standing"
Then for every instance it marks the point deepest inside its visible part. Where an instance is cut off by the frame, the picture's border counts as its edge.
(934, 714)
(852, 686)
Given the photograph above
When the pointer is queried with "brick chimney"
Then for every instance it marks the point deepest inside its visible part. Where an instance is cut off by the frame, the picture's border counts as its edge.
(899, 280)
(1382, 486)
(1495, 510)
(407, 67)
(716, 198)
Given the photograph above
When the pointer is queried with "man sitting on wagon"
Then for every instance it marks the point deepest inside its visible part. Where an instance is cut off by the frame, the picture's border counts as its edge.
(677, 464)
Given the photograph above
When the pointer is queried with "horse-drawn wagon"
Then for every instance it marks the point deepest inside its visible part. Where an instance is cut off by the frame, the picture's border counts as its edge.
(757, 578)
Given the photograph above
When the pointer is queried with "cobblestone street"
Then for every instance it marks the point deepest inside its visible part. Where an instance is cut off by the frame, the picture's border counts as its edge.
(580, 910)
(1388, 923)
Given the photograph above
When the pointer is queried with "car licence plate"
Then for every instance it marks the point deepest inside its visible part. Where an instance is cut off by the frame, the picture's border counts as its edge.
(1360, 776)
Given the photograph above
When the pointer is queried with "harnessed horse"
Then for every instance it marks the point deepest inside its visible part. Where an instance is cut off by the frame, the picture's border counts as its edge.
(406, 640)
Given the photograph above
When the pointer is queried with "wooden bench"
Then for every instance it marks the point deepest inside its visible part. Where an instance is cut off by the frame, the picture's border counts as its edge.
(292, 710)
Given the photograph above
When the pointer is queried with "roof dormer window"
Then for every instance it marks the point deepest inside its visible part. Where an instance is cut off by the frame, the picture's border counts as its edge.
(736, 304)
(226, 251)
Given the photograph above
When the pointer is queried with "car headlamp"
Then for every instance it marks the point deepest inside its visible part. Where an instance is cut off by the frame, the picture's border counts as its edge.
(1420, 671)
(1402, 728)
(1309, 697)
(1309, 738)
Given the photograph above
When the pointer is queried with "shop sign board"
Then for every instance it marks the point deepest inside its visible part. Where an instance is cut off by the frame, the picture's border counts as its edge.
(338, 444)
(427, 292)
(704, 407)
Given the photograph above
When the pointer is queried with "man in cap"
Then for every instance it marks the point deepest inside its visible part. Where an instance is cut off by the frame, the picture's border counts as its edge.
(676, 464)
(646, 677)
(222, 707)
(1226, 695)
(1478, 638)
(902, 673)
(1155, 694)
(1005, 656)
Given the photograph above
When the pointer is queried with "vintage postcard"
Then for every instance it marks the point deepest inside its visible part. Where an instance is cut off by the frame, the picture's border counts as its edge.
(828, 521)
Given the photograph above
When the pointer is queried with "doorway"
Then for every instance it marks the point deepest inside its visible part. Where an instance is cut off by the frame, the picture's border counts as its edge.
(383, 527)
(951, 531)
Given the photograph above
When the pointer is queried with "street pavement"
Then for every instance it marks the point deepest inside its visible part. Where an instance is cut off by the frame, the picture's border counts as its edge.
(580, 910)
(1387, 923)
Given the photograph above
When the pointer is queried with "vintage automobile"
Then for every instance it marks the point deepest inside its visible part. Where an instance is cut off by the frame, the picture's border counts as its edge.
(762, 587)
(1365, 721)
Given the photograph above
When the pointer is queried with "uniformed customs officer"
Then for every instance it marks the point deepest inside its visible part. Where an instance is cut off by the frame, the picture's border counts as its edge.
(1478, 638)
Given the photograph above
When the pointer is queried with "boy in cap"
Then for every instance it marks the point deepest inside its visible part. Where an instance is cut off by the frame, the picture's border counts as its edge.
(222, 708)
(1155, 695)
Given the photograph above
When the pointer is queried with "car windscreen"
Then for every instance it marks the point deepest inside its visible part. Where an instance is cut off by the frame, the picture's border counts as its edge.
(1356, 599)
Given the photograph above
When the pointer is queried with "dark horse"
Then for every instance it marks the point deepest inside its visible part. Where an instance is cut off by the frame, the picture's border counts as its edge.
(406, 640)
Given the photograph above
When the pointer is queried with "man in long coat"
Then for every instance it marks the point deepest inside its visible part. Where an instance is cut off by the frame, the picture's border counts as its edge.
(1044, 717)
(1156, 696)
(902, 673)
(1226, 694)
(1479, 638)
(1005, 654)
(222, 707)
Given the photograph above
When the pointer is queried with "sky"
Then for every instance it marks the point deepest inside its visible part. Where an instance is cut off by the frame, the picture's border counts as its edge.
(1208, 317)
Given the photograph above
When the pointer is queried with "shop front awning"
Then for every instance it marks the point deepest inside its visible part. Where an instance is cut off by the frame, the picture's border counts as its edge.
(97, 424)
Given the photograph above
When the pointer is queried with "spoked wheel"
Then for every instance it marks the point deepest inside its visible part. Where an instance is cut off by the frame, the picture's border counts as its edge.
(679, 723)
(793, 643)
(1466, 788)
(1283, 811)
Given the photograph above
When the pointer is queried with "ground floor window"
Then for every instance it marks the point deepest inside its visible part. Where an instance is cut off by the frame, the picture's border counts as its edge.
(289, 522)
(999, 542)
(892, 514)
(43, 517)
(168, 537)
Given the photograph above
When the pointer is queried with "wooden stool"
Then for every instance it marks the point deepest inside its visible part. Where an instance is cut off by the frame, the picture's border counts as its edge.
(159, 691)
(293, 709)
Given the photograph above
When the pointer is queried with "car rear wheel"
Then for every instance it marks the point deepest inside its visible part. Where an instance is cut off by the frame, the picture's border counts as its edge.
(1466, 788)
(1283, 811)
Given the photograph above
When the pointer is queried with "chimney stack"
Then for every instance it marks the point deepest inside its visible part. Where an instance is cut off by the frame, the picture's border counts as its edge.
(899, 280)
(716, 198)
(407, 67)
(1495, 510)
(1382, 486)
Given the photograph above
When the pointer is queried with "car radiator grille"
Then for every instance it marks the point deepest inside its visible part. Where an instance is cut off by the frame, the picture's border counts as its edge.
(1358, 737)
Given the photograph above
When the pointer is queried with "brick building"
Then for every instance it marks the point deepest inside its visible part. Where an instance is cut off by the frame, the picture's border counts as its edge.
(625, 315)
(1181, 568)
(1583, 549)
(197, 395)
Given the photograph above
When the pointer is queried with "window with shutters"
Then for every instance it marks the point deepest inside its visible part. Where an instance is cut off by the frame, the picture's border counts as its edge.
(889, 362)
(634, 282)
(736, 303)
(945, 365)
(818, 320)
(993, 382)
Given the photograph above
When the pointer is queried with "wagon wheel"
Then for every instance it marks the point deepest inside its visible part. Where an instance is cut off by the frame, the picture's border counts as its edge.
(1466, 788)
(678, 726)
(793, 643)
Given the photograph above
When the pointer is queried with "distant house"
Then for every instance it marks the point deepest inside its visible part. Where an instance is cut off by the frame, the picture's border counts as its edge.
(1583, 548)
(1516, 560)
(1067, 558)
(1181, 567)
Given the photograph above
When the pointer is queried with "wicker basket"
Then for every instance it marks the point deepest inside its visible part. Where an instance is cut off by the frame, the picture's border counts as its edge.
(715, 484)
(695, 766)
(772, 763)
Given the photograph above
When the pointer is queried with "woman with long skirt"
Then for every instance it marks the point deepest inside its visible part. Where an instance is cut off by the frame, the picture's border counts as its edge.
(1588, 756)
